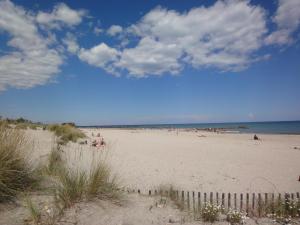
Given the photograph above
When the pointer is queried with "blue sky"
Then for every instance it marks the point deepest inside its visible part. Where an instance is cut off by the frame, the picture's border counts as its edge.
(150, 61)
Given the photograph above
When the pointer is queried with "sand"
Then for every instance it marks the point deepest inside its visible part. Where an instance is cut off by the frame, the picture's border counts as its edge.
(146, 159)
(203, 161)
(192, 161)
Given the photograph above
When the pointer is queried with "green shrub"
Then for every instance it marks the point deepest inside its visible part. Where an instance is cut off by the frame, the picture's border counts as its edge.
(22, 126)
(210, 212)
(15, 173)
(235, 217)
(66, 133)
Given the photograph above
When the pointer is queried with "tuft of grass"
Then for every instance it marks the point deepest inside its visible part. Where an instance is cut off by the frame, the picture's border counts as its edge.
(34, 212)
(55, 161)
(16, 174)
(77, 185)
(168, 192)
(71, 187)
(101, 183)
(66, 132)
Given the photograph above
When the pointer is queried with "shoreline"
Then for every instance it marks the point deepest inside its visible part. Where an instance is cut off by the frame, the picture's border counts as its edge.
(195, 130)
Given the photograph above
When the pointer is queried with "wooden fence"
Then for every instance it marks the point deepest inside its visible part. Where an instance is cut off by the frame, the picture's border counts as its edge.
(254, 204)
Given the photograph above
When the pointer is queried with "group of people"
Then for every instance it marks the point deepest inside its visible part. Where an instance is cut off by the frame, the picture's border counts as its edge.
(99, 142)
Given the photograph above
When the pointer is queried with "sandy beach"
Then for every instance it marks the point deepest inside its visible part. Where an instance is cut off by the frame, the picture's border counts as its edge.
(195, 161)
(199, 161)
(151, 158)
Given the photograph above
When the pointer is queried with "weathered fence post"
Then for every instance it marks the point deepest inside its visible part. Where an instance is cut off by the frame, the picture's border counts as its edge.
(211, 198)
(253, 202)
(182, 198)
(234, 201)
(241, 202)
(259, 205)
(273, 204)
(188, 201)
(199, 201)
(247, 203)
(266, 204)
(194, 203)
(229, 201)
(204, 198)
(223, 200)
(217, 198)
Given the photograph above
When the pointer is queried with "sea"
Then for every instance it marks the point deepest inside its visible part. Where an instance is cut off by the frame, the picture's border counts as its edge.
(278, 127)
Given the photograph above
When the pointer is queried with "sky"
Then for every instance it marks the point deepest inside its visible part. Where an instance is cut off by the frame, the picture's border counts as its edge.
(149, 62)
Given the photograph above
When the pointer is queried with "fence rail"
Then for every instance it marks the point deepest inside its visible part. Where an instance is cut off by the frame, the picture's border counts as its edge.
(254, 204)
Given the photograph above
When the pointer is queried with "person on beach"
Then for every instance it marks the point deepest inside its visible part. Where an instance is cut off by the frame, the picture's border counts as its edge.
(255, 137)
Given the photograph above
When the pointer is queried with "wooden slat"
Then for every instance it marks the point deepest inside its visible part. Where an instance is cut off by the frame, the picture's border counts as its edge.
(253, 202)
(223, 199)
(241, 202)
(259, 205)
(247, 203)
(234, 201)
(188, 200)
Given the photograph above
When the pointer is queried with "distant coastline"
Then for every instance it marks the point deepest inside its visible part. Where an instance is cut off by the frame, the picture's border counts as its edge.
(272, 127)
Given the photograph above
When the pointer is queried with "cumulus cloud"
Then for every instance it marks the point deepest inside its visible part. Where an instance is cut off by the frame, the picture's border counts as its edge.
(100, 55)
(33, 57)
(150, 57)
(30, 62)
(114, 30)
(71, 43)
(287, 19)
(61, 15)
(223, 36)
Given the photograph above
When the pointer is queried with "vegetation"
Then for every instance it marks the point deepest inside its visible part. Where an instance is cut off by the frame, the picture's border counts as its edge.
(15, 173)
(55, 162)
(283, 211)
(71, 187)
(34, 212)
(20, 123)
(67, 185)
(235, 217)
(66, 132)
(210, 212)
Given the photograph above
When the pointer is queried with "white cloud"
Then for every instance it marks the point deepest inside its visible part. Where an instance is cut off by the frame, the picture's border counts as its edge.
(114, 30)
(71, 43)
(29, 61)
(150, 57)
(60, 15)
(223, 36)
(287, 19)
(100, 55)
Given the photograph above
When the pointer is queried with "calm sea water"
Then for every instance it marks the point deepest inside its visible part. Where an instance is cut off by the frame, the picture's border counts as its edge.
(281, 127)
